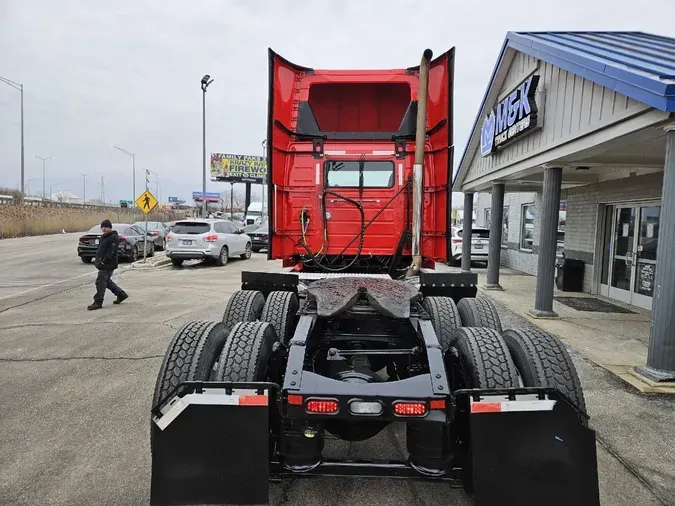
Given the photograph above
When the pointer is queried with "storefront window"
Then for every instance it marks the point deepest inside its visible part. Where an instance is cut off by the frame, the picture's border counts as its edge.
(527, 230)
(505, 227)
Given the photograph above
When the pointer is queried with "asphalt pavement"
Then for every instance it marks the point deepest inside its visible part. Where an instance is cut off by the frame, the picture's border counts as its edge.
(76, 389)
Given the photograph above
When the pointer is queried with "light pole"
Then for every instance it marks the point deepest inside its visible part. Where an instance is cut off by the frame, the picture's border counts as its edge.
(206, 80)
(133, 168)
(44, 159)
(84, 187)
(19, 87)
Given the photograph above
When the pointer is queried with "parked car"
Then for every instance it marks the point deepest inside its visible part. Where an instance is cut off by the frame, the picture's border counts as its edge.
(158, 231)
(132, 242)
(259, 238)
(250, 228)
(480, 238)
(207, 239)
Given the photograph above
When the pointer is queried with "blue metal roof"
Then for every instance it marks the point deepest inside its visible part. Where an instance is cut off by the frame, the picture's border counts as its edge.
(636, 64)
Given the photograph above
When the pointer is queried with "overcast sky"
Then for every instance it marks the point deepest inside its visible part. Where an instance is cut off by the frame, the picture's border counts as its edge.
(127, 72)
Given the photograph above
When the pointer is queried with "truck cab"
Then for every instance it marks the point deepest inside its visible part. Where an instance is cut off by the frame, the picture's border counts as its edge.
(340, 158)
(254, 214)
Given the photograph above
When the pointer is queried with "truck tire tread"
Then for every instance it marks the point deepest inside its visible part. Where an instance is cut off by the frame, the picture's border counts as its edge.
(479, 312)
(279, 310)
(243, 306)
(190, 356)
(444, 318)
(543, 360)
(246, 353)
(489, 363)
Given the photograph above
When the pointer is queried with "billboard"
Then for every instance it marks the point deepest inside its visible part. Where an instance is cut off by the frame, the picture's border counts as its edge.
(210, 197)
(238, 168)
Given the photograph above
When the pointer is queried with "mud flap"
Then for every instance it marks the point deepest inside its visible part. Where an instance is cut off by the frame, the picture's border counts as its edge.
(212, 448)
(531, 449)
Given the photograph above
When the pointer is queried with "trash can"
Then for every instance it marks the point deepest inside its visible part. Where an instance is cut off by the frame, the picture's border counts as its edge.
(569, 275)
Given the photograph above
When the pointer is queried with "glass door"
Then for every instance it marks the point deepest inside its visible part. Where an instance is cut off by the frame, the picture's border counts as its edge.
(632, 265)
(622, 254)
(645, 264)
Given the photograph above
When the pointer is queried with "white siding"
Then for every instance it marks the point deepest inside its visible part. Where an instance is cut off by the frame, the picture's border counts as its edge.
(573, 107)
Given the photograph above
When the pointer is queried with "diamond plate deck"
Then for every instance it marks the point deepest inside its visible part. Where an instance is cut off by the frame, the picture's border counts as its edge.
(336, 295)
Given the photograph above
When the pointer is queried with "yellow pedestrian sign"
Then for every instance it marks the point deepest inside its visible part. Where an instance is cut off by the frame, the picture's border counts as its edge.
(146, 201)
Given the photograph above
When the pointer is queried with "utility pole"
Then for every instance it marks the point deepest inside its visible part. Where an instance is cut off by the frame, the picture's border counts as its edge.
(231, 201)
(206, 80)
(44, 159)
(84, 187)
(102, 190)
(19, 87)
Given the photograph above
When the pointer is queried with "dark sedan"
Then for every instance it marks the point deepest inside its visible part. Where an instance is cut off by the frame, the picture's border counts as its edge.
(132, 241)
(259, 238)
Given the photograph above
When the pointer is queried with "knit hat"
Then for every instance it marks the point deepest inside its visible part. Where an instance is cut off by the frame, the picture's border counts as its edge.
(106, 224)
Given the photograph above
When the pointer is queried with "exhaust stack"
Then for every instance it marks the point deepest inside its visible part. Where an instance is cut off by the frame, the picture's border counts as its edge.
(418, 167)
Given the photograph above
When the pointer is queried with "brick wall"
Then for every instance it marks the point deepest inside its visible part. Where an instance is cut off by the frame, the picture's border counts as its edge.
(582, 210)
(582, 220)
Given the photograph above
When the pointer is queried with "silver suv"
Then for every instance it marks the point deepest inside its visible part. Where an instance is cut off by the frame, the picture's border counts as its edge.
(206, 239)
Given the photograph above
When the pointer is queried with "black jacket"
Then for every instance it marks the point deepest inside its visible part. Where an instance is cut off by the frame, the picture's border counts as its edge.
(106, 254)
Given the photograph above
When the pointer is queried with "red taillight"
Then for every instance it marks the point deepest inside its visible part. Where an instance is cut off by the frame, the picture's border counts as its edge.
(155, 234)
(403, 408)
(211, 237)
(456, 240)
(123, 239)
(168, 237)
(263, 237)
(83, 239)
(325, 406)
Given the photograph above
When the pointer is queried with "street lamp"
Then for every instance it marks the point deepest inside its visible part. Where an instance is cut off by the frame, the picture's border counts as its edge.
(133, 161)
(44, 159)
(84, 187)
(206, 80)
(19, 87)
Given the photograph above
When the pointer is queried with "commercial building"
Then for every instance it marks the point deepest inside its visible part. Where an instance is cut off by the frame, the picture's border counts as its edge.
(575, 144)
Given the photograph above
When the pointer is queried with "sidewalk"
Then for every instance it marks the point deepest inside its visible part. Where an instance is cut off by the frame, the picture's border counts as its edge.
(634, 431)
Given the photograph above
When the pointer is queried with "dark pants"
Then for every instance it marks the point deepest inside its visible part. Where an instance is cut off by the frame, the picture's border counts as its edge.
(103, 281)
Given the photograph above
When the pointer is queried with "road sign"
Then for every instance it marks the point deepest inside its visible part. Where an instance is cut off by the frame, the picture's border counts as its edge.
(146, 202)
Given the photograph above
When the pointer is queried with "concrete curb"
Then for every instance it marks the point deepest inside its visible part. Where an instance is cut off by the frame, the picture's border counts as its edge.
(151, 263)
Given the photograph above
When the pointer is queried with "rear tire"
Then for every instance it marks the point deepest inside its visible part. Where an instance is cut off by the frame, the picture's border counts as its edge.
(477, 358)
(246, 354)
(177, 262)
(191, 356)
(479, 312)
(256, 250)
(444, 318)
(86, 260)
(543, 361)
(485, 358)
(280, 310)
(243, 306)
(223, 257)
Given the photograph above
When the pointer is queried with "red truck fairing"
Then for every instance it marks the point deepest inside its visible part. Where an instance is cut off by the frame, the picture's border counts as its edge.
(340, 156)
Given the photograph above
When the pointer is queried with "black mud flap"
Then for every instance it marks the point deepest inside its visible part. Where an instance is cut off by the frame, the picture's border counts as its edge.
(531, 449)
(212, 448)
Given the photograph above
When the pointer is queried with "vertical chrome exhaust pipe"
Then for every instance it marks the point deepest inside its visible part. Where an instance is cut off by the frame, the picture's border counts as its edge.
(418, 167)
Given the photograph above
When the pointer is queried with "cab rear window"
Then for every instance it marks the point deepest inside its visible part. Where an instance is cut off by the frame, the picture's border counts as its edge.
(189, 227)
(376, 174)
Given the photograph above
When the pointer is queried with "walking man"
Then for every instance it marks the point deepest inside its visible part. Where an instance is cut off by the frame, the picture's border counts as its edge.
(106, 263)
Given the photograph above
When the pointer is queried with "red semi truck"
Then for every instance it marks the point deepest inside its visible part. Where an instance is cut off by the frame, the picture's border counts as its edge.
(358, 331)
(342, 148)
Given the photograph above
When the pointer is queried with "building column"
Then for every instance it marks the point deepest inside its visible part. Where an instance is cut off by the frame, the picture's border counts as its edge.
(548, 235)
(495, 243)
(466, 245)
(661, 354)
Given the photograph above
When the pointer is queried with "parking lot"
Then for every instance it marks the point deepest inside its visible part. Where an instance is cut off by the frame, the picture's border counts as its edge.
(76, 388)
